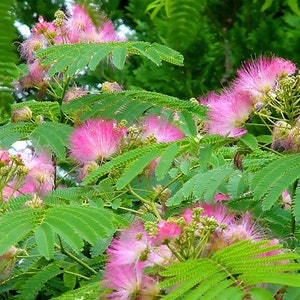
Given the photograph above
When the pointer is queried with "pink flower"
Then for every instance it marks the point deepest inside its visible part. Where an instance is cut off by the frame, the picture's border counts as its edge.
(79, 27)
(161, 129)
(40, 178)
(218, 211)
(107, 33)
(166, 231)
(241, 230)
(160, 255)
(129, 282)
(95, 139)
(9, 191)
(187, 214)
(4, 157)
(74, 93)
(272, 252)
(227, 113)
(259, 77)
(36, 75)
(130, 246)
(219, 197)
(31, 45)
(45, 28)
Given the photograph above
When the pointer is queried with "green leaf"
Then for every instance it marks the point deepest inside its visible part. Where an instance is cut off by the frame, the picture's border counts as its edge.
(260, 294)
(31, 287)
(250, 141)
(98, 56)
(230, 272)
(119, 57)
(90, 291)
(269, 182)
(14, 226)
(189, 125)
(75, 57)
(165, 161)
(123, 160)
(136, 167)
(53, 135)
(293, 4)
(266, 5)
(44, 237)
(66, 231)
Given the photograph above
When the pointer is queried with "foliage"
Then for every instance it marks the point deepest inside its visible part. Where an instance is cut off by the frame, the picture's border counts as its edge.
(204, 193)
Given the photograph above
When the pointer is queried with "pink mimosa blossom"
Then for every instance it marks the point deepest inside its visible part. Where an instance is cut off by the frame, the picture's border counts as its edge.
(4, 157)
(227, 113)
(107, 33)
(160, 255)
(9, 191)
(286, 199)
(219, 197)
(74, 93)
(95, 139)
(43, 27)
(79, 26)
(129, 246)
(40, 177)
(242, 229)
(129, 282)
(259, 77)
(166, 231)
(218, 211)
(161, 129)
(31, 45)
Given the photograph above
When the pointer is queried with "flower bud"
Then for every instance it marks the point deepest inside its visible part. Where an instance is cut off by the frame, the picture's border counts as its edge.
(21, 114)
(111, 87)
(87, 168)
(39, 119)
(7, 263)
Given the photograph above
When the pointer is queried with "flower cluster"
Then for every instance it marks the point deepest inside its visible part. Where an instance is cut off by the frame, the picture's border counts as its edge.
(76, 27)
(26, 175)
(97, 140)
(137, 255)
(257, 83)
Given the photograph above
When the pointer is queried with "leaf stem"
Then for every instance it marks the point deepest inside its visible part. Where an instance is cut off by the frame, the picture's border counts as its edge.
(149, 203)
(73, 257)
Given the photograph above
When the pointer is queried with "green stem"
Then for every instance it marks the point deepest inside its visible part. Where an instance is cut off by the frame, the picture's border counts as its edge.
(73, 257)
(149, 203)
(78, 275)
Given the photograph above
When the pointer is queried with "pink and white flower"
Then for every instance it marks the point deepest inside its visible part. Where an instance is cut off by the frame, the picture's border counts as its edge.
(161, 129)
(227, 113)
(95, 139)
(130, 246)
(166, 231)
(259, 77)
(129, 282)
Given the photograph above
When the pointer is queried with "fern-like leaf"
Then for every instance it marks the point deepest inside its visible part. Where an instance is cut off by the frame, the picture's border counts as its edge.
(183, 23)
(8, 56)
(203, 185)
(49, 110)
(31, 287)
(269, 182)
(296, 204)
(128, 104)
(73, 223)
(230, 272)
(133, 169)
(13, 132)
(53, 135)
(123, 160)
(89, 291)
(75, 57)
